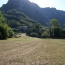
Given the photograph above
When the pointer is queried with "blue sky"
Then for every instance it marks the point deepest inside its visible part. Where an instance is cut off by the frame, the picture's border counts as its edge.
(59, 4)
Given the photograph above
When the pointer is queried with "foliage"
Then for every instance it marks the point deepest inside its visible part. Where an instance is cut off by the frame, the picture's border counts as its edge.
(16, 19)
(33, 34)
(35, 30)
(22, 23)
(56, 31)
(10, 32)
(5, 30)
(63, 33)
(54, 22)
(2, 19)
(45, 34)
(42, 15)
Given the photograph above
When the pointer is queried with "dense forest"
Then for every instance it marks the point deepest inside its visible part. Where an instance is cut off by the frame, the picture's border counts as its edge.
(30, 21)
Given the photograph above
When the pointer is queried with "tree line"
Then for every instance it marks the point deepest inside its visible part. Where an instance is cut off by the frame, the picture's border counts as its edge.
(31, 28)
(53, 31)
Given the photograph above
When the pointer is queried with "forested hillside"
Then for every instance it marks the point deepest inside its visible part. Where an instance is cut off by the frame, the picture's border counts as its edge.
(32, 10)
(27, 17)
(18, 20)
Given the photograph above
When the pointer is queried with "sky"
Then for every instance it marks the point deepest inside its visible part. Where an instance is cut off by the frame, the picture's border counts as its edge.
(58, 4)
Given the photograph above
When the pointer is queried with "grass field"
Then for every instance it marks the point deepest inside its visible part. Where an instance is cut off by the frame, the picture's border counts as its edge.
(32, 51)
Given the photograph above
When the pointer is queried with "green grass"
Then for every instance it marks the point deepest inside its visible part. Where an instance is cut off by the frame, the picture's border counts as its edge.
(32, 51)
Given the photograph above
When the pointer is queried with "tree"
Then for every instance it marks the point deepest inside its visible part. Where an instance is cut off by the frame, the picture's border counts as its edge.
(63, 33)
(2, 19)
(5, 30)
(54, 22)
(55, 29)
(35, 30)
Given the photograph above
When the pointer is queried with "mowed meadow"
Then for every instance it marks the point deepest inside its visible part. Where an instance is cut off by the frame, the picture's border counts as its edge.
(32, 51)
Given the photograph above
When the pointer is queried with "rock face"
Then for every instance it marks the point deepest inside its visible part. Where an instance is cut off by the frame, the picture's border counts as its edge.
(43, 15)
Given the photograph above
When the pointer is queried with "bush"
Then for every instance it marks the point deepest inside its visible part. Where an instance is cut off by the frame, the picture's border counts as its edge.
(3, 32)
(34, 34)
(10, 32)
(45, 34)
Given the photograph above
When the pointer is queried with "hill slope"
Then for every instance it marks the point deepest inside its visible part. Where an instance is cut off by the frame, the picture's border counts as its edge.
(18, 20)
(43, 15)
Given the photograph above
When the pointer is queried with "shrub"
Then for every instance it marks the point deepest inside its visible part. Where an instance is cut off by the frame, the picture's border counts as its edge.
(45, 34)
(34, 34)
(3, 32)
(10, 32)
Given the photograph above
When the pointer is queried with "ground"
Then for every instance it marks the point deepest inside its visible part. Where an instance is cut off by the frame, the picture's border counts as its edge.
(32, 51)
